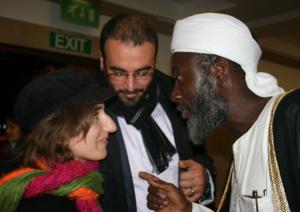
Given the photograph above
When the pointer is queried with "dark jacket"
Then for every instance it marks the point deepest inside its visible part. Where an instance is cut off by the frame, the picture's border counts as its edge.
(286, 131)
(47, 203)
(118, 185)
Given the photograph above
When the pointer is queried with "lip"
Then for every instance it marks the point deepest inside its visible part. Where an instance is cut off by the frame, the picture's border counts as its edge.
(130, 96)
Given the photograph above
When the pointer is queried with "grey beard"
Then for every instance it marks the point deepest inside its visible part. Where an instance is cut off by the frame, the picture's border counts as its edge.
(211, 111)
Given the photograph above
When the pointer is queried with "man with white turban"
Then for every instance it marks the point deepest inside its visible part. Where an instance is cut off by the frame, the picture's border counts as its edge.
(214, 64)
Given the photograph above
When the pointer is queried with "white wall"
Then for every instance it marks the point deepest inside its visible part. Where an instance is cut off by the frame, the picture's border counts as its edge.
(44, 13)
(164, 53)
(47, 13)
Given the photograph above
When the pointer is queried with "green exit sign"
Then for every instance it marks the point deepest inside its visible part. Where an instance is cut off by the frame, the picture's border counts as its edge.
(80, 12)
(70, 43)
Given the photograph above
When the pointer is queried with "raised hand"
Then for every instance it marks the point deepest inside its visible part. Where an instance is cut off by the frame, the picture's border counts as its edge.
(163, 196)
(193, 179)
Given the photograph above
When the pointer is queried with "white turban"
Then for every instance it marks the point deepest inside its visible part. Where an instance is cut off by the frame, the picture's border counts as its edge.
(225, 36)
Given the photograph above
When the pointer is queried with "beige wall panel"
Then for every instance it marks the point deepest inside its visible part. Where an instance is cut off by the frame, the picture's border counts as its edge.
(35, 36)
(288, 78)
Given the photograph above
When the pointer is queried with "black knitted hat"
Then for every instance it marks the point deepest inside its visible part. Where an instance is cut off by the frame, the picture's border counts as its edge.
(47, 92)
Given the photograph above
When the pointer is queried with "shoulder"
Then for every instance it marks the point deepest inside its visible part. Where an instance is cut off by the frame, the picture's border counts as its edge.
(287, 114)
(286, 126)
(286, 133)
(290, 103)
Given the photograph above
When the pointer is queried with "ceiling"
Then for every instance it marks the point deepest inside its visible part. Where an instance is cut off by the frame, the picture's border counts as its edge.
(275, 23)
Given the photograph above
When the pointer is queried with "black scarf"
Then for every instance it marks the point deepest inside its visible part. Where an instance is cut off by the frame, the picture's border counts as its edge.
(158, 147)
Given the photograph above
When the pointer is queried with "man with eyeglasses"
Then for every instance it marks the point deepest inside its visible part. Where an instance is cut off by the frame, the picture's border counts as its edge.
(152, 136)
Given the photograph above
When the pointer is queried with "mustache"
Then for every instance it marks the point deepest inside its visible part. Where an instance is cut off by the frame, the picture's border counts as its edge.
(125, 91)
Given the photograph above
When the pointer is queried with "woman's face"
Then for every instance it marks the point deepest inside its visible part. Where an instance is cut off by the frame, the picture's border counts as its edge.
(93, 146)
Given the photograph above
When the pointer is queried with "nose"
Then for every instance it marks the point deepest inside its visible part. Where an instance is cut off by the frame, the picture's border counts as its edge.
(109, 124)
(175, 95)
(130, 82)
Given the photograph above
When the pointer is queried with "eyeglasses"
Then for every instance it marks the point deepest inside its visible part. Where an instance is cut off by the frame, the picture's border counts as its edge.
(121, 75)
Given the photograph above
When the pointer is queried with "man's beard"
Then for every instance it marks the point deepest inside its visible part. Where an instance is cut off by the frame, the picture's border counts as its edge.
(133, 102)
(125, 91)
(211, 111)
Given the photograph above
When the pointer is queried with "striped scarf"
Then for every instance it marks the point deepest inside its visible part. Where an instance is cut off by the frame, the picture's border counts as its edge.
(78, 180)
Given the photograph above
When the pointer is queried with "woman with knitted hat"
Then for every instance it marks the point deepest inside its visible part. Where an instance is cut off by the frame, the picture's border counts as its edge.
(68, 130)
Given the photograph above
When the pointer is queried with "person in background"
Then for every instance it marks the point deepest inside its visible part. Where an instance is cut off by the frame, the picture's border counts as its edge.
(214, 63)
(13, 131)
(151, 135)
(14, 138)
(63, 112)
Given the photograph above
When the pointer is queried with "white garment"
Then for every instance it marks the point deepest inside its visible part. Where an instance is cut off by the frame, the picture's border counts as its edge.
(200, 208)
(251, 170)
(139, 161)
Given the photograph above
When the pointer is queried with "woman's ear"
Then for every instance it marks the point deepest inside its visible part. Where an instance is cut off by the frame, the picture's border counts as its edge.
(221, 70)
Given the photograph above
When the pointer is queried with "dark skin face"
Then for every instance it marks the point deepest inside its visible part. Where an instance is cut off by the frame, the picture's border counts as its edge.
(197, 93)
(227, 82)
(186, 73)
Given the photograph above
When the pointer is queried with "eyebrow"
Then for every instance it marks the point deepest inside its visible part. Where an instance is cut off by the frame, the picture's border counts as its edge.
(116, 68)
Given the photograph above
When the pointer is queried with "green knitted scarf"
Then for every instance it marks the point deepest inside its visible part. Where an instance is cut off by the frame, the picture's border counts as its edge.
(12, 191)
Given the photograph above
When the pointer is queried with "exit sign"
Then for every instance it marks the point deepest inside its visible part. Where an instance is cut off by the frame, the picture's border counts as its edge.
(80, 12)
(70, 43)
